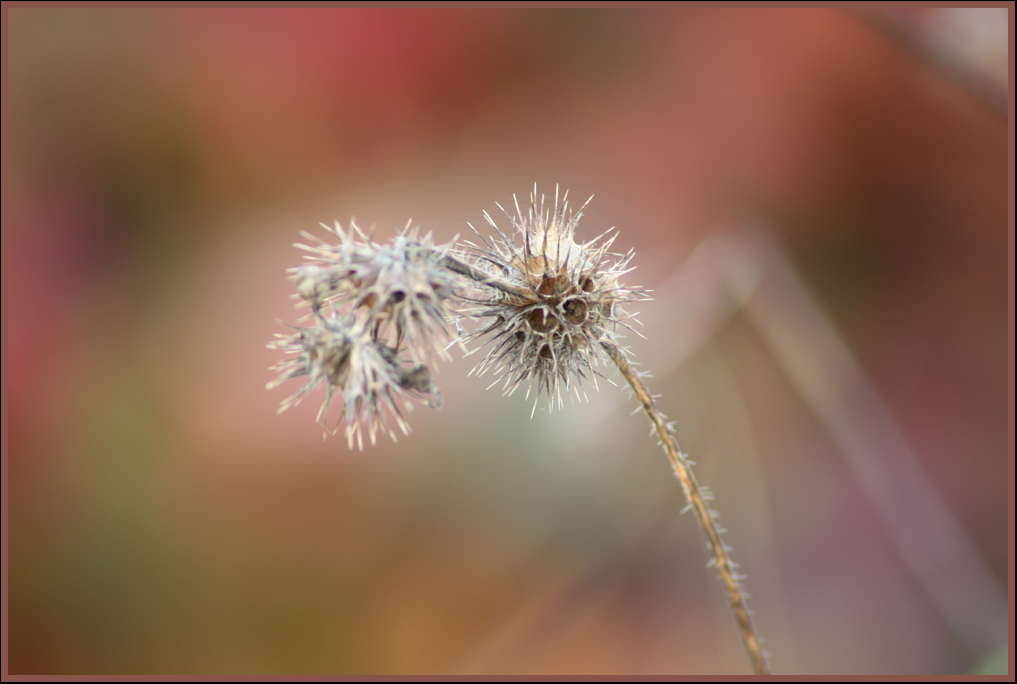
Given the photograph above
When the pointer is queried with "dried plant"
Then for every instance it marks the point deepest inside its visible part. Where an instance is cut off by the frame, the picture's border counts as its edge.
(567, 307)
(548, 307)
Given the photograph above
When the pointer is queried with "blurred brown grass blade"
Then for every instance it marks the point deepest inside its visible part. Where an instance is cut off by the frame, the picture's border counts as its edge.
(837, 390)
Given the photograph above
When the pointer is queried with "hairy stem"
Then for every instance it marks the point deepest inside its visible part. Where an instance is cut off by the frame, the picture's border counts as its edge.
(698, 506)
(478, 276)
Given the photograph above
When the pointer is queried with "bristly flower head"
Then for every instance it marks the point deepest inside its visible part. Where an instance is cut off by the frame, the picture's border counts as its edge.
(371, 305)
(342, 355)
(566, 304)
(401, 287)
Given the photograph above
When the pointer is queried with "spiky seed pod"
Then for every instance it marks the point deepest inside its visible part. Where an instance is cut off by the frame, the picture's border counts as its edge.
(341, 354)
(401, 287)
(565, 304)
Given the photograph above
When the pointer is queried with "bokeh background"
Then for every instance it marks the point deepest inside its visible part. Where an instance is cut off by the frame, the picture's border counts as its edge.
(164, 519)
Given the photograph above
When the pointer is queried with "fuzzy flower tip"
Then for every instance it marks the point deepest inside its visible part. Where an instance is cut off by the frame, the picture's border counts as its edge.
(378, 313)
(563, 303)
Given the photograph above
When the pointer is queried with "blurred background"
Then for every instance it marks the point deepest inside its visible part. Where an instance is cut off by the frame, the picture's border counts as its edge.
(819, 199)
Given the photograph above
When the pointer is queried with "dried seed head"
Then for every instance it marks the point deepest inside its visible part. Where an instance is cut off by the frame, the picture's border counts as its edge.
(371, 305)
(400, 286)
(565, 304)
(374, 383)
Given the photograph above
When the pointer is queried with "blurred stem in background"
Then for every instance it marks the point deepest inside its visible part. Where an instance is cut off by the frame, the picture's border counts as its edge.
(753, 274)
(968, 44)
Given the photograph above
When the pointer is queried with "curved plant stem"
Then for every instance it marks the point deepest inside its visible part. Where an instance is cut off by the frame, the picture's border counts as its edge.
(698, 506)
(478, 276)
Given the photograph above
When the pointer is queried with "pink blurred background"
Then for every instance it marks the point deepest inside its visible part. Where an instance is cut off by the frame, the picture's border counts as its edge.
(164, 519)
